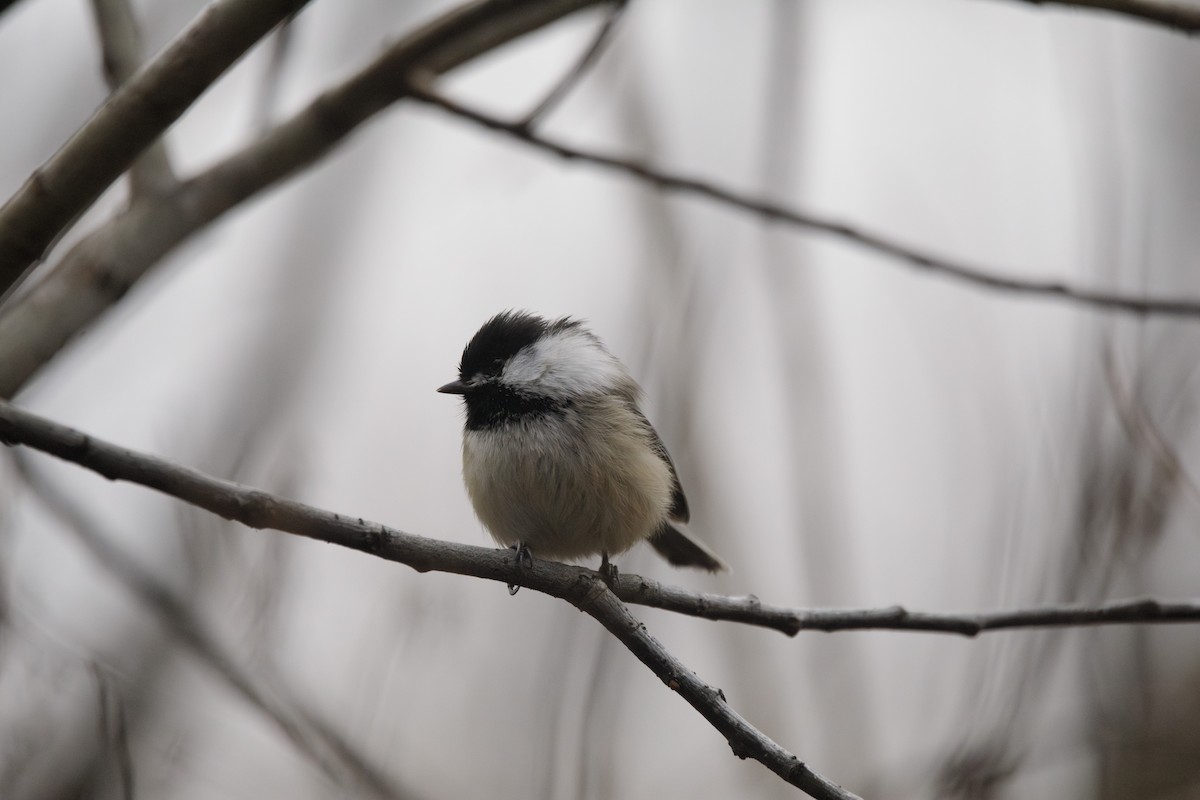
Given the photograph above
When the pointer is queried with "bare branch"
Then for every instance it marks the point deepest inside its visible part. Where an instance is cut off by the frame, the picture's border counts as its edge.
(111, 711)
(102, 267)
(582, 588)
(791, 621)
(137, 114)
(1142, 429)
(576, 73)
(420, 89)
(579, 586)
(1183, 17)
(281, 47)
(593, 597)
(121, 44)
(259, 509)
(133, 117)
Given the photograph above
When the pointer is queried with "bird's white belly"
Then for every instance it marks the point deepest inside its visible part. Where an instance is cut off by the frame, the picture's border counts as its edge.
(604, 493)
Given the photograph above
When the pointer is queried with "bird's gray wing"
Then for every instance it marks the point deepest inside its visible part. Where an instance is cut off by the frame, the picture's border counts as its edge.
(679, 504)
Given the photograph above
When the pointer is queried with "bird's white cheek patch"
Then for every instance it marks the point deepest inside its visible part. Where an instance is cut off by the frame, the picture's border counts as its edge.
(564, 364)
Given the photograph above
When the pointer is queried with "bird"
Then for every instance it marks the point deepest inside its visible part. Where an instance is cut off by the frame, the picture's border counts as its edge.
(558, 459)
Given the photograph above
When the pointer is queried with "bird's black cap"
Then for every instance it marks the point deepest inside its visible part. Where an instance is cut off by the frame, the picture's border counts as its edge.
(500, 338)
(490, 403)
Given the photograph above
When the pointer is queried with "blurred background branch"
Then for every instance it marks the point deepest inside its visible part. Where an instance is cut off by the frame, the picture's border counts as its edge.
(857, 442)
(1180, 16)
(121, 46)
(121, 129)
(315, 738)
(98, 271)
(421, 88)
(572, 77)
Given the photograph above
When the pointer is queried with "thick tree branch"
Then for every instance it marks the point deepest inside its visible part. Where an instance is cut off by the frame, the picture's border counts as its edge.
(582, 588)
(132, 117)
(421, 90)
(101, 268)
(281, 48)
(137, 114)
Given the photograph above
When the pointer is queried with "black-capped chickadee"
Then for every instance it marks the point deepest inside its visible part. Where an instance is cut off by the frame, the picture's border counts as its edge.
(557, 456)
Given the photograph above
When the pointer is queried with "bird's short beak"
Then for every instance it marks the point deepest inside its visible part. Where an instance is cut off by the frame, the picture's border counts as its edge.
(453, 387)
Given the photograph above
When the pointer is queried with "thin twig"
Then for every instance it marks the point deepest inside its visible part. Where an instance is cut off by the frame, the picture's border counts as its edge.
(120, 40)
(327, 750)
(133, 117)
(582, 588)
(281, 46)
(113, 729)
(121, 45)
(586, 59)
(103, 266)
(1142, 429)
(420, 88)
(744, 739)
(791, 621)
(1183, 17)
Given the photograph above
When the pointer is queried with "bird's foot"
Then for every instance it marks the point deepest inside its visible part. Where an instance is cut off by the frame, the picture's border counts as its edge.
(524, 562)
(608, 571)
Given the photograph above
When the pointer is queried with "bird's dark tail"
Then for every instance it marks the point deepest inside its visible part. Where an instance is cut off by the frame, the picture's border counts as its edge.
(681, 550)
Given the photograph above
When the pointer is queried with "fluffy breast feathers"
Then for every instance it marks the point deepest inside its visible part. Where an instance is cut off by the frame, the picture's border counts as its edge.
(550, 482)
